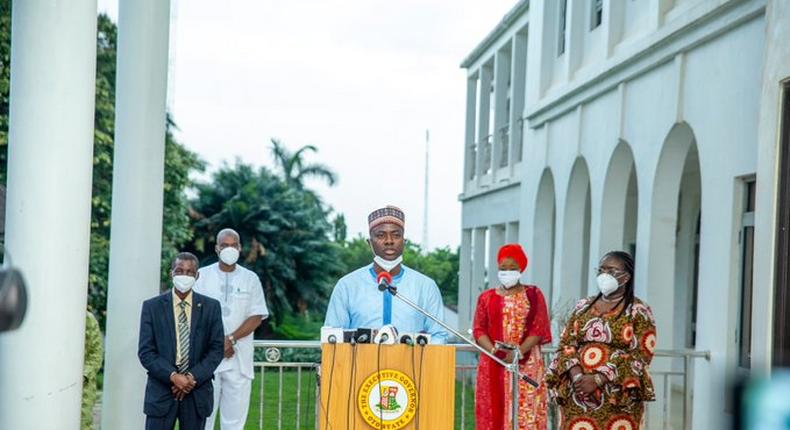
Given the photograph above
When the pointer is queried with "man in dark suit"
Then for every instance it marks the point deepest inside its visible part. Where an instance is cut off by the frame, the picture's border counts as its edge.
(181, 344)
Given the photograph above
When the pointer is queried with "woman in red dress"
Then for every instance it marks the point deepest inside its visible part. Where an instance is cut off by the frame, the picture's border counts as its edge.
(515, 314)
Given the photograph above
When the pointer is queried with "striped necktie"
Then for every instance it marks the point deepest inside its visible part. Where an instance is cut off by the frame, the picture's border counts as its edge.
(183, 337)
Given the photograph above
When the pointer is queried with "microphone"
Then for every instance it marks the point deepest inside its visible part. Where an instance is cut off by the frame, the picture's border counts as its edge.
(407, 339)
(362, 335)
(387, 335)
(385, 281)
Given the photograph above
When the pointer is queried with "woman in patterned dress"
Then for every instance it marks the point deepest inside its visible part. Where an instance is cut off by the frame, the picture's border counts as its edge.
(516, 314)
(599, 376)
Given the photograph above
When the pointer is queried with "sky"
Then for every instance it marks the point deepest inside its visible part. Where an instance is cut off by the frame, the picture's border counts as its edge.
(361, 80)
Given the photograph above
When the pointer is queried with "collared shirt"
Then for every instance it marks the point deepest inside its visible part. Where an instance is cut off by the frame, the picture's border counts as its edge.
(357, 302)
(240, 295)
(176, 311)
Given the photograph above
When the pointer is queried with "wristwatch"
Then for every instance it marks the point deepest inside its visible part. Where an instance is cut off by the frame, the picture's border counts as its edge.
(232, 339)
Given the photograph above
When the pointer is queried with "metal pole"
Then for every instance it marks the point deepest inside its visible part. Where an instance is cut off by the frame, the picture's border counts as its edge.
(394, 292)
(515, 373)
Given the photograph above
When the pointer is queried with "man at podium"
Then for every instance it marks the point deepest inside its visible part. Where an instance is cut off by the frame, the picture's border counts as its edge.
(356, 300)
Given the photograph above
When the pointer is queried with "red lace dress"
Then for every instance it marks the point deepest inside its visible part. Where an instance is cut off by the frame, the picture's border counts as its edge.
(511, 319)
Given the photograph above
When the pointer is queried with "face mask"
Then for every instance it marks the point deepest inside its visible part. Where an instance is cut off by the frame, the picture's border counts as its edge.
(229, 255)
(607, 283)
(388, 265)
(509, 278)
(183, 283)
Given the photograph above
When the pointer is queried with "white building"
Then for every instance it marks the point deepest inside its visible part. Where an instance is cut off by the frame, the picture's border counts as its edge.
(652, 126)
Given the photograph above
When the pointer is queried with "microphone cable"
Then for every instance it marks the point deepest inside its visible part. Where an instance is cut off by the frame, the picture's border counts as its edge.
(350, 415)
(329, 391)
(378, 367)
(419, 384)
(417, 388)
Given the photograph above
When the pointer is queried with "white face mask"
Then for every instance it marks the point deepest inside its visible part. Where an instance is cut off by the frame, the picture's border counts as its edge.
(388, 265)
(183, 283)
(229, 255)
(607, 284)
(509, 278)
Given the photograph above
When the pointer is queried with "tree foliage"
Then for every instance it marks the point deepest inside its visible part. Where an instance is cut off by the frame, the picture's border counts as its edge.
(294, 168)
(284, 232)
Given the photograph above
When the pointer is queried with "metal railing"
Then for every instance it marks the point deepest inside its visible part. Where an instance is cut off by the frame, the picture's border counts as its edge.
(294, 365)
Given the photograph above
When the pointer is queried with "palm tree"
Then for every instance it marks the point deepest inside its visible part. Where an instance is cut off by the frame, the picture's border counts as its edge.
(286, 236)
(294, 169)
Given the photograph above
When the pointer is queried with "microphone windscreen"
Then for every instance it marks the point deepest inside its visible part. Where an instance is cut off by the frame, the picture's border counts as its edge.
(384, 276)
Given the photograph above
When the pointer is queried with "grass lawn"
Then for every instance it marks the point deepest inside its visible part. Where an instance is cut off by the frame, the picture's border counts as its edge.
(307, 403)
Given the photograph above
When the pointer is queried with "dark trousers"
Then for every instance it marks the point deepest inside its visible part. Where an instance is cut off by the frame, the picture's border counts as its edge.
(184, 412)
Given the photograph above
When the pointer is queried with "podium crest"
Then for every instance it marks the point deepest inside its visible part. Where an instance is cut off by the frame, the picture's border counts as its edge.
(388, 399)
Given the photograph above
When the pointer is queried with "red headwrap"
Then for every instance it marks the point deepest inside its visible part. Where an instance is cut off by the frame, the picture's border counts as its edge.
(514, 251)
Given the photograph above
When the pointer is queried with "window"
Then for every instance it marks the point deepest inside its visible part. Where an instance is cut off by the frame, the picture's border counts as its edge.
(747, 264)
(596, 14)
(561, 27)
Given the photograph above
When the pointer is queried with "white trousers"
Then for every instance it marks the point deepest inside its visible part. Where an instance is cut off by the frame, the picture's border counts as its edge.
(232, 398)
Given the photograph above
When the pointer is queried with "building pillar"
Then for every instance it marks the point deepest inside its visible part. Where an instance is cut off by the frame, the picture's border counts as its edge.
(478, 264)
(484, 115)
(465, 305)
(48, 209)
(496, 239)
(501, 116)
(511, 232)
(518, 93)
(138, 177)
(470, 162)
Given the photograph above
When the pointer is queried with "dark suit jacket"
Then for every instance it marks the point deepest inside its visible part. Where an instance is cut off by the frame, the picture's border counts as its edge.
(157, 351)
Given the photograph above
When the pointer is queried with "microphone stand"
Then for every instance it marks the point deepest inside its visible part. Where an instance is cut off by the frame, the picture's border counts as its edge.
(510, 367)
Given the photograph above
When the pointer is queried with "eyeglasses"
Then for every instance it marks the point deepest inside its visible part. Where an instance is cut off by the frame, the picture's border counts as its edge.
(611, 271)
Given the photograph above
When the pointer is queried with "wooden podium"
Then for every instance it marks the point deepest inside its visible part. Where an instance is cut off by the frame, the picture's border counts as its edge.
(418, 383)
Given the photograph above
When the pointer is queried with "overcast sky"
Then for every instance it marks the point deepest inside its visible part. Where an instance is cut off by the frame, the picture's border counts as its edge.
(361, 80)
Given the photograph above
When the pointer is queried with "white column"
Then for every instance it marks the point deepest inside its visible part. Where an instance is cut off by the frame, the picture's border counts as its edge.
(578, 26)
(484, 109)
(478, 263)
(469, 139)
(614, 22)
(138, 175)
(48, 209)
(511, 232)
(496, 238)
(501, 92)
(518, 73)
(465, 305)
(657, 10)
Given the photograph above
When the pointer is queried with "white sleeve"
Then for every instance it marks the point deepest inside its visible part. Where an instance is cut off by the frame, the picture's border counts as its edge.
(257, 300)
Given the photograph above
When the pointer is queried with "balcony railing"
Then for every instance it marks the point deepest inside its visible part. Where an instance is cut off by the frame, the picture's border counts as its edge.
(504, 145)
(286, 391)
(487, 146)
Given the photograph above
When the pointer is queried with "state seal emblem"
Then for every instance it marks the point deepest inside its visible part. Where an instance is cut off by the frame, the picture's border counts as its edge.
(388, 400)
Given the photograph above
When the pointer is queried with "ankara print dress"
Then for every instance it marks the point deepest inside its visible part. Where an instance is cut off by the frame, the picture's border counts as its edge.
(511, 319)
(617, 345)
